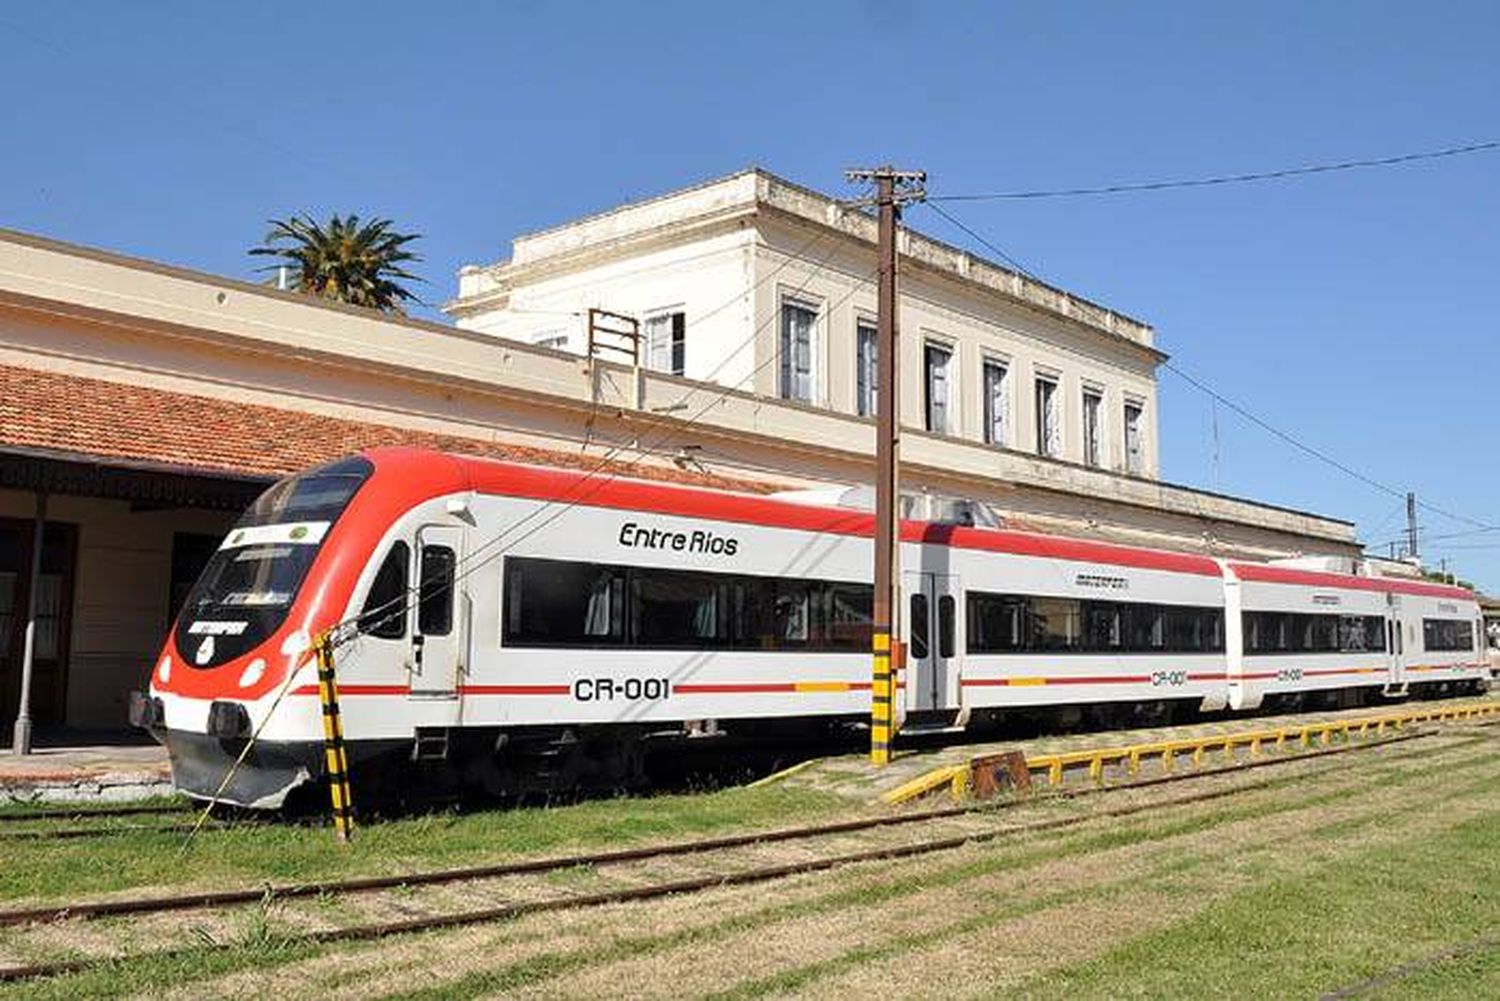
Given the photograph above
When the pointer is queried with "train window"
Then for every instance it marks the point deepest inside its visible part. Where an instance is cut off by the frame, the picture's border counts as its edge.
(675, 609)
(1148, 627)
(384, 614)
(1054, 624)
(1294, 632)
(995, 622)
(998, 623)
(1104, 625)
(1447, 635)
(851, 616)
(919, 626)
(1322, 633)
(1184, 629)
(1213, 630)
(435, 605)
(945, 625)
(792, 612)
(559, 603)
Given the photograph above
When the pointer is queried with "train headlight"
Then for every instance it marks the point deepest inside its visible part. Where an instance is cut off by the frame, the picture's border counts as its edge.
(252, 672)
(164, 670)
(296, 643)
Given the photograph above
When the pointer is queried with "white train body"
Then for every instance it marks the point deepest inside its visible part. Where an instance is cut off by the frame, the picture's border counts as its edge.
(485, 598)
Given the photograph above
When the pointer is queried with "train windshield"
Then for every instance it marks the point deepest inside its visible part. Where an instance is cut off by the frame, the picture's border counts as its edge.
(247, 589)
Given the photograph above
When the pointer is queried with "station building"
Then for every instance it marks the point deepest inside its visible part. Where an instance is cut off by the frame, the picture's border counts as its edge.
(143, 406)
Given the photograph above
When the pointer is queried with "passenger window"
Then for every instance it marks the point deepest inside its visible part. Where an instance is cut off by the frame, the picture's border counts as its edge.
(945, 626)
(435, 609)
(919, 626)
(384, 614)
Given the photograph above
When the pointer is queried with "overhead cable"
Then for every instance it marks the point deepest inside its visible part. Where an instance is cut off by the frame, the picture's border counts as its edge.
(1488, 146)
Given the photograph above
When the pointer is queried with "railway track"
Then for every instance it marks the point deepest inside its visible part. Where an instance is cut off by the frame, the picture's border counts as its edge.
(514, 889)
(74, 814)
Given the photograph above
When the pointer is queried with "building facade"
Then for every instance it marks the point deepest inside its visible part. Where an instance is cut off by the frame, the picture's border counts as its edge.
(757, 284)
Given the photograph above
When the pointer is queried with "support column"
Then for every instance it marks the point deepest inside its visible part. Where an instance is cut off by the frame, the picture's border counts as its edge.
(21, 736)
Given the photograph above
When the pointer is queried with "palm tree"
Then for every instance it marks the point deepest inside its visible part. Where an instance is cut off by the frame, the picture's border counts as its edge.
(360, 264)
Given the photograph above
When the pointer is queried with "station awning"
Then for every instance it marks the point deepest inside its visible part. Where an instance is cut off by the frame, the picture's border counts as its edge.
(70, 434)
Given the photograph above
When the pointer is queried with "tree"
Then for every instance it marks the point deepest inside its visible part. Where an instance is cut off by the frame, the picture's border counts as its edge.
(344, 260)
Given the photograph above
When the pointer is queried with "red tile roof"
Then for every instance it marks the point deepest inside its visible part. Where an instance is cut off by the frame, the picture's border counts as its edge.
(107, 420)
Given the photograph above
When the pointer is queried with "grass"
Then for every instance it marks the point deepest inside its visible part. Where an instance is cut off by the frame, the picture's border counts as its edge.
(253, 854)
(873, 887)
(1302, 923)
(1347, 921)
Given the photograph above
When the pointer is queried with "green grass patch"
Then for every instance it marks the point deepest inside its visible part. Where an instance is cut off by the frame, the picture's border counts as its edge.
(256, 853)
(868, 887)
(1338, 924)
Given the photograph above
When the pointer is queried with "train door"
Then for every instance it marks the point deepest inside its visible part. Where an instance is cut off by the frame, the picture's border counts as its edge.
(1395, 641)
(439, 634)
(931, 622)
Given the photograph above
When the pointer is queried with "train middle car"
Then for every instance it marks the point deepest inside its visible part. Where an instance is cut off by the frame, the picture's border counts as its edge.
(504, 623)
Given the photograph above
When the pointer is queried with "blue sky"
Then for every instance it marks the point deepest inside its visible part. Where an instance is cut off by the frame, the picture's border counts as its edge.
(1354, 310)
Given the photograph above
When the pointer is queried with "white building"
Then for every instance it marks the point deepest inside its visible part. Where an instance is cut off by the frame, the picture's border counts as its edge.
(758, 284)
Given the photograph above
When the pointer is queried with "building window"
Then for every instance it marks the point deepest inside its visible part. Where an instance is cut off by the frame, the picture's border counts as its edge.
(995, 410)
(1093, 406)
(666, 342)
(1048, 420)
(796, 351)
(1135, 462)
(866, 369)
(936, 363)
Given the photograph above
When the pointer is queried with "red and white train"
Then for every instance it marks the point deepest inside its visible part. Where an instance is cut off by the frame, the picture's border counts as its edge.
(506, 622)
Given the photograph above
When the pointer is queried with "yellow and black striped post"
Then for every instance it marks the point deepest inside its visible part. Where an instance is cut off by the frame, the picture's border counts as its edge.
(336, 761)
(880, 701)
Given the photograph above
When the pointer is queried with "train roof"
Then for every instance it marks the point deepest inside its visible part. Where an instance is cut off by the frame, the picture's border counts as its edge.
(1271, 574)
(439, 472)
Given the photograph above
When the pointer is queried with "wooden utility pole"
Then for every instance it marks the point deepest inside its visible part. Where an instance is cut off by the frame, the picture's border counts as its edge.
(893, 188)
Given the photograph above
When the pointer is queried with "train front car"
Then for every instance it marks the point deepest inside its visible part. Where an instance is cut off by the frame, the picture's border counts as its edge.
(239, 660)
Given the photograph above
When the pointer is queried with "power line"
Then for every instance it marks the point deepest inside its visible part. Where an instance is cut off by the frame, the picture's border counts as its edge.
(1284, 436)
(1242, 178)
(986, 243)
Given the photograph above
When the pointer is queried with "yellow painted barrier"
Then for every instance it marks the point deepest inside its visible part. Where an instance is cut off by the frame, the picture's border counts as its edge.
(1095, 760)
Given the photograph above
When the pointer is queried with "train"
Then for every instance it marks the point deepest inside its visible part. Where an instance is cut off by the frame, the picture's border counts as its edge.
(501, 627)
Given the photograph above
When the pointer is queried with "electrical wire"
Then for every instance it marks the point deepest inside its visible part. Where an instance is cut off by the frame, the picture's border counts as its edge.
(1222, 179)
(986, 243)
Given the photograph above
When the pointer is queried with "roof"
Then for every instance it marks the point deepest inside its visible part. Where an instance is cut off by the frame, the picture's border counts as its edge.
(1316, 578)
(60, 415)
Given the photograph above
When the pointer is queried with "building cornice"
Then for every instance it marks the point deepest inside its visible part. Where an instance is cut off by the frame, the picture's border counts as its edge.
(632, 227)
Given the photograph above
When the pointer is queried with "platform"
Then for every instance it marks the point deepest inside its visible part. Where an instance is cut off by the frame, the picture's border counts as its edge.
(854, 777)
(61, 771)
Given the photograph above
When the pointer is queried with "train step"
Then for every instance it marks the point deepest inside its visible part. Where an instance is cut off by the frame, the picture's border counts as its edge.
(430, 745)
(923, 730)
(926, 723)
